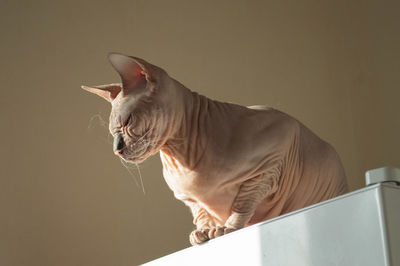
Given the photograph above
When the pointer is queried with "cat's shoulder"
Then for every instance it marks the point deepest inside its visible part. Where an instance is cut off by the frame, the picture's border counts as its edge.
(273, 121)
(275, 116)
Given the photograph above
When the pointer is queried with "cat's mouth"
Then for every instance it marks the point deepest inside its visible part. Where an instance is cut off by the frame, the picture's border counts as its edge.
(139, 151)
(134, 158)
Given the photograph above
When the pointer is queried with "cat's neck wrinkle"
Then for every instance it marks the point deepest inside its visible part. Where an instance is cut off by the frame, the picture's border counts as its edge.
(189, 142)
(197, 130)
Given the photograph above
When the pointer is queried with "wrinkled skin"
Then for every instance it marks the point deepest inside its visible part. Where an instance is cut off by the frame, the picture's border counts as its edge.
(232, 165)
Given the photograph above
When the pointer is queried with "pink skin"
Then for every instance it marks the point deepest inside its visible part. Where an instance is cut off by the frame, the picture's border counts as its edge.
(232, 165)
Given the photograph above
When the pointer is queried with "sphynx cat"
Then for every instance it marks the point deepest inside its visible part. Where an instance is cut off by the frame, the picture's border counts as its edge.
(233, 166)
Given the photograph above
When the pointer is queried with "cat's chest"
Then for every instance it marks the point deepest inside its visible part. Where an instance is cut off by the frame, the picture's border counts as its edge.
(183, 180)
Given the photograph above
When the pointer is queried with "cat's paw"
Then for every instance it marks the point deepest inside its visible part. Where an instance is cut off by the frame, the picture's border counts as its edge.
(219, 231)
(199, 236)
(204, 234)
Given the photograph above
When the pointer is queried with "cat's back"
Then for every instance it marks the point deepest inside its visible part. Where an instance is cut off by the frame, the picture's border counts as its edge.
(311, 161)
(259, 107)
(311, 171)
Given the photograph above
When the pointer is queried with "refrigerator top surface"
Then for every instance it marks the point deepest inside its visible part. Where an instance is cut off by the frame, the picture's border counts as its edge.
(347, 230)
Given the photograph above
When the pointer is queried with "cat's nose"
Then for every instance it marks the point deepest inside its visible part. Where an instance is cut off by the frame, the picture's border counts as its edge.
(118, 144)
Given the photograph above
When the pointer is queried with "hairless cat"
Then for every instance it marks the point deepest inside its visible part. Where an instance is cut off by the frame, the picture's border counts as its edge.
(232, 165)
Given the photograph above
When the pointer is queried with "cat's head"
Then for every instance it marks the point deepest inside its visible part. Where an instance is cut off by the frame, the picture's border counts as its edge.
(137, 120)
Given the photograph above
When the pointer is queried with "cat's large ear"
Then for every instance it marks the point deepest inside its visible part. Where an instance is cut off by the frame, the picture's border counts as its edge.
(108, 92)
(135, 72)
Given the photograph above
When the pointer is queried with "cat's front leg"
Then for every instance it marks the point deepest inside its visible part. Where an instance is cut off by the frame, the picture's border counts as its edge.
(250, 195)
(203, 222)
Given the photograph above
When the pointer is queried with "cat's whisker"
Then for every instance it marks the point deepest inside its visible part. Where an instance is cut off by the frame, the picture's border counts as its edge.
(141, 179)
(124, 148)
(99, 118)
(110, 138)
(102, 123)
(124, 163)
(142, 141)
(145, 134)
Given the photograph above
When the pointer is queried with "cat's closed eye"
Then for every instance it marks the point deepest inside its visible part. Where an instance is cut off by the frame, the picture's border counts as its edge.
(126, 121)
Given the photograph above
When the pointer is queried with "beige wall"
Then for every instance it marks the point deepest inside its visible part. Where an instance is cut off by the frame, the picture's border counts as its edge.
(65, 199)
